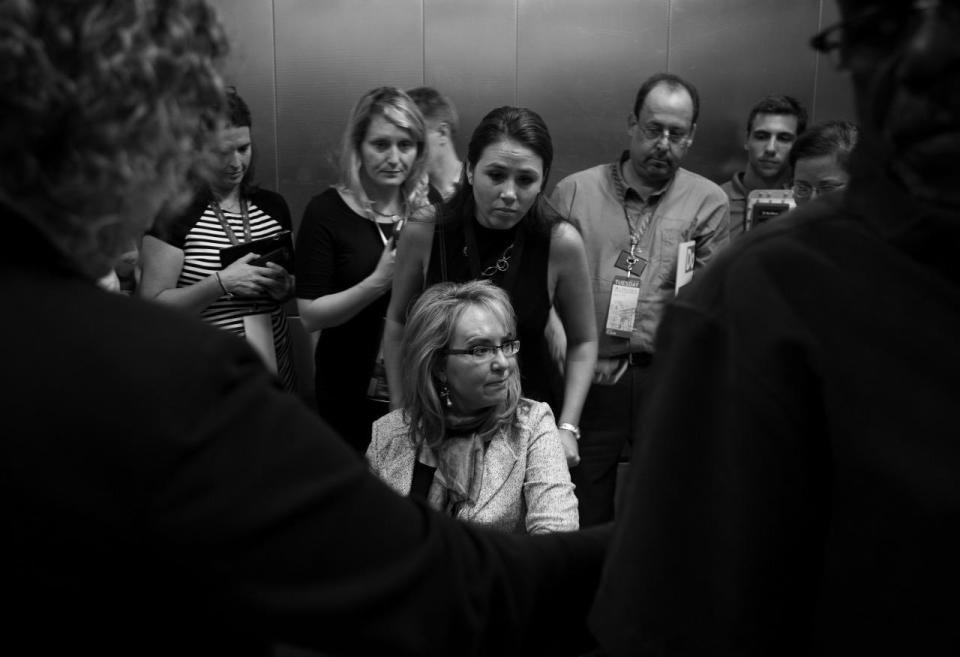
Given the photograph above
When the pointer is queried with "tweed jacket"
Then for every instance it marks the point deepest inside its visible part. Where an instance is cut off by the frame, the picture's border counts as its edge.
(526, 484)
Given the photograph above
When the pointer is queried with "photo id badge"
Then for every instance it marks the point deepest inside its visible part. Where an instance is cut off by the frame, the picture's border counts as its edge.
(624, 296)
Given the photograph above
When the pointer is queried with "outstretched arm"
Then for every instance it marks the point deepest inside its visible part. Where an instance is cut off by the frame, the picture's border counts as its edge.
(413, 256)
(573, 298)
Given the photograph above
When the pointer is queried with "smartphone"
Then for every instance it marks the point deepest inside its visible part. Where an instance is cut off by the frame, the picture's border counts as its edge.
(278, 256)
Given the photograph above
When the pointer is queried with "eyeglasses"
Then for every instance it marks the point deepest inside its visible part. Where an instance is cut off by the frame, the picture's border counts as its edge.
(654, 132)
(484, 352)
(874, 30)
(803, 190)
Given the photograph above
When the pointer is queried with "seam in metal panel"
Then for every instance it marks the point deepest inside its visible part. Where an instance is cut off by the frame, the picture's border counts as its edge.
(276, 100)
(669, 30)
(516, 52)
(816, 68)
(423, 42)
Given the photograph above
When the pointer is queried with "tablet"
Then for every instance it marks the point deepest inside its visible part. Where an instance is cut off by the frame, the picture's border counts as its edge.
(277, 249)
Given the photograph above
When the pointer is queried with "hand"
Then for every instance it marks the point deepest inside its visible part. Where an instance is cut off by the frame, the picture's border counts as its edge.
(383, 274)
(609, 370)
(280, 287)
(570, 448)
(241, 279)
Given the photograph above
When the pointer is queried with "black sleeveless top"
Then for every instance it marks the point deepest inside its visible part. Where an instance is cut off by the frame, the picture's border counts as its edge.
(525, 280)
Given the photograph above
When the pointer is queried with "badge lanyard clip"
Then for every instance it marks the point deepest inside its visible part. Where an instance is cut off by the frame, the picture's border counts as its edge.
(632, 259)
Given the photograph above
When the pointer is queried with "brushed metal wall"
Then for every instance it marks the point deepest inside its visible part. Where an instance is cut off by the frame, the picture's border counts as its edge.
(580, 65)
(303, 63)
(250, 67)
(735, 62)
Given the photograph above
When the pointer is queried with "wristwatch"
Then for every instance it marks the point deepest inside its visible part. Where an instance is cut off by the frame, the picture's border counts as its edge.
(572, 428)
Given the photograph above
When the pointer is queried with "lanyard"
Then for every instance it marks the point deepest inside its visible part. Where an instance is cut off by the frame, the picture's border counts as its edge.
(226, 225)
(383, 236)
(636, 234)
(514, 251)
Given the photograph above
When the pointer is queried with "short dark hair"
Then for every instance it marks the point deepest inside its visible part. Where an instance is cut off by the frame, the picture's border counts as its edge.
(828, 138)
(436, 107)
(782, 105)
(673, 82)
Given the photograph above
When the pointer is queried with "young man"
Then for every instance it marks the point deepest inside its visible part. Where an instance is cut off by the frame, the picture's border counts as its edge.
(443, 165)
(797, 489)
(634, 214)
(773, 126)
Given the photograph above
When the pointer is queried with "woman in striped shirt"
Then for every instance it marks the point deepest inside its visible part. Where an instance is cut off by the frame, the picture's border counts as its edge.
(181, 258)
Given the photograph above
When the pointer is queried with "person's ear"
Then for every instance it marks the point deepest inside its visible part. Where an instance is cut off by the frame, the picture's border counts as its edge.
(469, 170)
(631, 124)
(693, 131)
(444, 129)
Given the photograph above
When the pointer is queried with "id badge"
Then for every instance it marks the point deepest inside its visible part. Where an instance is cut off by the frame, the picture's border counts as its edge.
(622, 311)
(686, 261)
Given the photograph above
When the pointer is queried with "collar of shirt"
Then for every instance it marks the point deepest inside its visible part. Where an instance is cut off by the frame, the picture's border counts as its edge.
(736, 184)
(628, 195)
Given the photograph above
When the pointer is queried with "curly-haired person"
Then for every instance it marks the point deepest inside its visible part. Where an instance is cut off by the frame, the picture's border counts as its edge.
(161, 494)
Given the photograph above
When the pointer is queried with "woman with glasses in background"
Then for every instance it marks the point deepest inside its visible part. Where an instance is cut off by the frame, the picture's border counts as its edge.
(821, 159)
(464, 440)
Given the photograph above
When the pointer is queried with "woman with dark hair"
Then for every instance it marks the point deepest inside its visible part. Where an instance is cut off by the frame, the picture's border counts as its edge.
(181, 258)
(464, 440)
(821, 159)
(345, 253)
(499, 227)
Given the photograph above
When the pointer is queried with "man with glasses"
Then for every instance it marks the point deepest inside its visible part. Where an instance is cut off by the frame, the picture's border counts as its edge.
(772, 128)
(797, 489)
(635, 213)
(821, 159)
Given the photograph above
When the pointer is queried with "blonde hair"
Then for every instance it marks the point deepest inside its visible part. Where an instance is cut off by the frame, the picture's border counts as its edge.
(428, 332)
(397, 107)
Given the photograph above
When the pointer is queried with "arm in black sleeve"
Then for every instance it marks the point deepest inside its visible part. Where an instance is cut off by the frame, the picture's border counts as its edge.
(265, 502)
(719, 546)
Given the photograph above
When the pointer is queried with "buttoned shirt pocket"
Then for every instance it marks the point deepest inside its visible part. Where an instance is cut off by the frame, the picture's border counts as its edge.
(670, 233)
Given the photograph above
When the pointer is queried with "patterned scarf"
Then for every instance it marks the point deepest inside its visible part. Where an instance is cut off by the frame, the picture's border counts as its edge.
(460, 457)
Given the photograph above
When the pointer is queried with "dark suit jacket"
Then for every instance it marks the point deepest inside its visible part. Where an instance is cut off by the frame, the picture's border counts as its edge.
(162, 495)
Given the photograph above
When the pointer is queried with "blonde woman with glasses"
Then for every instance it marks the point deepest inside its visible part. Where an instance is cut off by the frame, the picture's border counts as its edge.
(465, 440)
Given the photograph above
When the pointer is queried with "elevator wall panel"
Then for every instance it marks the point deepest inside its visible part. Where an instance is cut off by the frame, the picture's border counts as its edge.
(577, 62)
(579, 65)
(834, 91)
(249, 26)
(470, 54)
(327, 55)
(735, 52)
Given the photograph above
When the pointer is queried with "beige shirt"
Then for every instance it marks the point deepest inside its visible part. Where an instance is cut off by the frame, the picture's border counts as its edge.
(689, 208)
